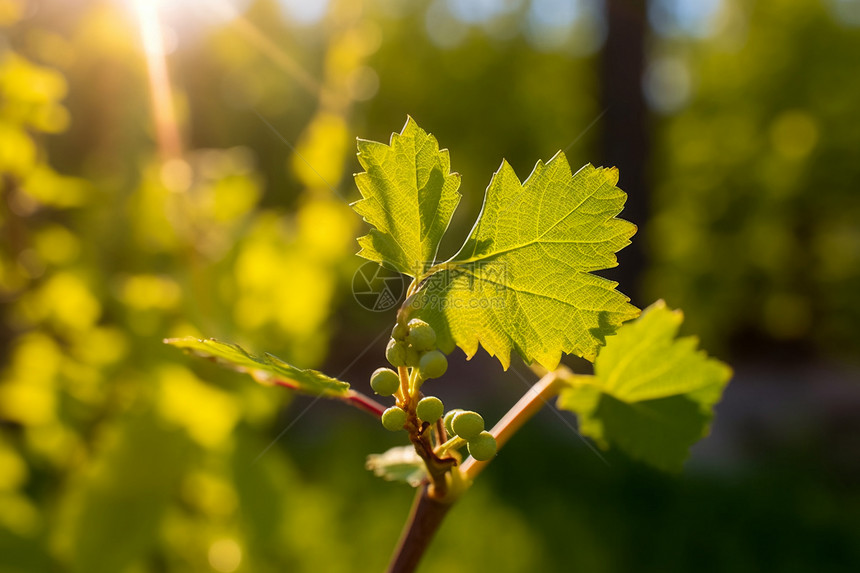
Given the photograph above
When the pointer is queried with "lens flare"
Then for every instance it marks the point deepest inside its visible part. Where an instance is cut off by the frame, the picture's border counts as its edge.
(164, 113)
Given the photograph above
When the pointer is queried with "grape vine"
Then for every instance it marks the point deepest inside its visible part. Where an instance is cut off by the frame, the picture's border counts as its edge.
(523, 281)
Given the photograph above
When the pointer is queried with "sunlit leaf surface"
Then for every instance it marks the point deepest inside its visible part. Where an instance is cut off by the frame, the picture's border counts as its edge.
(523, 280)
(409, 195)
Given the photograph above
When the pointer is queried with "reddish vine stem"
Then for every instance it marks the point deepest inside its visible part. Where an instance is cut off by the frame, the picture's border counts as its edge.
(352, 397)
(365, 403)
(427, 513)
(425, 518)
(437, 467)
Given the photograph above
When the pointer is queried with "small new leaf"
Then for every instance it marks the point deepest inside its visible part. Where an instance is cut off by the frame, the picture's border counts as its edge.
(398, 464)
(265, 369)
(408, 195)
(652, 395)
(522, 281)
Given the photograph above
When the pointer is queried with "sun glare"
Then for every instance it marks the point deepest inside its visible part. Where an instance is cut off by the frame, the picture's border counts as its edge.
(164, 114)
(160, 21)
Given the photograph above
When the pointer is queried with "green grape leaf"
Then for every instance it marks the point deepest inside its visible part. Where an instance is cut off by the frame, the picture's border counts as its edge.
(652, 394)
(408, 195)
(400, 463)
(523, 280)
(265, 369)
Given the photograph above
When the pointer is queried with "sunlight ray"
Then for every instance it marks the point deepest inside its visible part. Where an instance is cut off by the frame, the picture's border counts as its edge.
(279, 57)
(164, 113)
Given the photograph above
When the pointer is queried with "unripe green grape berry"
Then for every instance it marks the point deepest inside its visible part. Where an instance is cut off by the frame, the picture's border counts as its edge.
(429, 409)
(394, 418)
(395, 352)
(412, 356)
(421, 335)
(449, 417)
(385, 381)
(399, 331)
(468, 425)
(432, 364)
(483, 446)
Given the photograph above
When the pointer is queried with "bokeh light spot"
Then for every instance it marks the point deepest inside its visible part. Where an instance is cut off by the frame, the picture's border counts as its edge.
(667, 84)
(225, 555)
(442, 27)
(304, 12)
(176, 175)
(794, 134)
(574, 26)
(363, 83)
(476, 11)
(847, 12)
(683, 17)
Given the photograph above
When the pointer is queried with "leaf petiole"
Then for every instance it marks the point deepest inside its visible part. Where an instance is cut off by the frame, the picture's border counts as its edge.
(454, 443)
(414, 384)
(403, 391)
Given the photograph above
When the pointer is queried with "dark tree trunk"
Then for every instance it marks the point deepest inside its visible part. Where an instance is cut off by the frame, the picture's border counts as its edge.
(625, 138)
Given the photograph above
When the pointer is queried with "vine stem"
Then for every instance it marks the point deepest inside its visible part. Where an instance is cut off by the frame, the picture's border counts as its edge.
(428, 512)
(532, 401)
(424, 519)
(363, 402)
(352, 397)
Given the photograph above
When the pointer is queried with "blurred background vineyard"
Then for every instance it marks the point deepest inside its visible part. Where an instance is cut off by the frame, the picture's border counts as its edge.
(183, 167)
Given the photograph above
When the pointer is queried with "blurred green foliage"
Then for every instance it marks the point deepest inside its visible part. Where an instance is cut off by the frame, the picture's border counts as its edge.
(756, 210)
(116, 454)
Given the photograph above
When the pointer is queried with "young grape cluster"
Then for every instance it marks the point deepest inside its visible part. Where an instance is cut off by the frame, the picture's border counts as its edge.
(394, 418)
(385, 381)
(413, 345)
(469, 426)
(429, 409)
